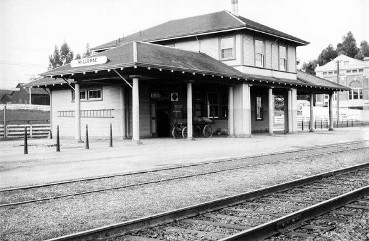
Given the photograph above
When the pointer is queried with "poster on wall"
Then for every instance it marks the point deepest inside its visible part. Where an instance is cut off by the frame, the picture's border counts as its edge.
(174, 96)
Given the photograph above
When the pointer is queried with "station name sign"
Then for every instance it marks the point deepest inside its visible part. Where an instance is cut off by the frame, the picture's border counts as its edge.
(88, 61)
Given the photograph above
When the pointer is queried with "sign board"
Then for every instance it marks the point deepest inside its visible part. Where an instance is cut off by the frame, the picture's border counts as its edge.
(89, 61)
(174, 96)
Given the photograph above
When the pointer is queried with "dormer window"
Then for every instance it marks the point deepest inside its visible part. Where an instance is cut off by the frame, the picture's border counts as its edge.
(283, 58)
(259, 53)
(227, 48)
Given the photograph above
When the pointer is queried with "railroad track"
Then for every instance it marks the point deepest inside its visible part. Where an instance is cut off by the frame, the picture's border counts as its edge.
(249, 216)
(51, 191)
(318, 226)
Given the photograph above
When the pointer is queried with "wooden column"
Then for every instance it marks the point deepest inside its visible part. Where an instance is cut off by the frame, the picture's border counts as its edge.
(77, 112)
(135, 111)
(189, 111)
(51, 113)
(271, 110)
(289, 111)
(246, 113)
(294, 109)
(230, 112)
(312, 119)
(123, 113)
(331, 112)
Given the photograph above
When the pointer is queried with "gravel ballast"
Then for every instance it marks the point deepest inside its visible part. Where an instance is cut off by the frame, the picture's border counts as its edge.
(64, 216)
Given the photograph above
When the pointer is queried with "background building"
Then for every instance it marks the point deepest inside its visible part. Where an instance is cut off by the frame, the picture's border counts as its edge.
(353, 73)
(25, 95)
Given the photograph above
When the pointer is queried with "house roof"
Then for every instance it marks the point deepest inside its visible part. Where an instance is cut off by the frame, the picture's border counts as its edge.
(45, 81)
(34, 91)
(139, 54)
(147, 55)
(317, 81)
(345, 63)
(199, 25)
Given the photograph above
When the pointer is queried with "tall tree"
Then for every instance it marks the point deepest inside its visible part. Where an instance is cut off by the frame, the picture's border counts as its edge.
(364, 48)
(88, 51)
(348, 46)
(309, 67)
(54, 59)
(66, 54)
(326, 55)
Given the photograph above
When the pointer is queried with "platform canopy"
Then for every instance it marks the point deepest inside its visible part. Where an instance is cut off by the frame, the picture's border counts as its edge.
(153, 60)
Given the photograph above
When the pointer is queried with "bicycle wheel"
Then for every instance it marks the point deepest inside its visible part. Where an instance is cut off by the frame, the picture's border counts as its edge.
(207, 131)
(175, 133)
(184, 132)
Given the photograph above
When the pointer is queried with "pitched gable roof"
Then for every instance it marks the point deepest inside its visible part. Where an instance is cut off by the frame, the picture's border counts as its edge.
(350, 63)
(317, 81)
(153, 55)
(199, 25)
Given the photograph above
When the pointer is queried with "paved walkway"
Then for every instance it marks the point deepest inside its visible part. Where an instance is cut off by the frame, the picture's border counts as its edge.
(43, 164)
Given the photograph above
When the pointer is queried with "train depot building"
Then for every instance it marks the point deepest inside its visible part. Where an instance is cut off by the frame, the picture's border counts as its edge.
(220, 65)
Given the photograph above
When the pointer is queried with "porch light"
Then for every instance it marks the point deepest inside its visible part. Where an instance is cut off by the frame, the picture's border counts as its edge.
(212, 75)
(53, 84)
(108, 70)
(253, 80)
(172, 71)
(72, 74)
(193, 73)
(95, 71)
(61, 75)
(84, 72)
(183, 72)
(230, 77)
(238, 78)
(221, 76)
(135, 66)
(203, 74)
(148, 68)
(260, 81)
(160, 70)
(121, 68)
(61, 83)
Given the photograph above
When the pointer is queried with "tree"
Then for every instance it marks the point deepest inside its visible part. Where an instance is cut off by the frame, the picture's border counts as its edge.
(326, 55)
(309, 67)
(348, 46)
(54, 59)
(66, 54)
(88, 51)
(364, 48)
(78, 56)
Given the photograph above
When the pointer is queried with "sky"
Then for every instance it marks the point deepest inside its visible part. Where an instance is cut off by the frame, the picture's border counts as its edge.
(30, 29)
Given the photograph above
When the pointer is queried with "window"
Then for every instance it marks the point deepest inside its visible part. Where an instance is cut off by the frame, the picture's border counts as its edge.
(259, 53)
(217, 104)
(349, 71)
(354, 71)
(324, 73)
(227, 48)
(361, 70)
(94, 94)
(259, 108)
(355, 94)
(330, 72)
(282, 58)
(213, 105)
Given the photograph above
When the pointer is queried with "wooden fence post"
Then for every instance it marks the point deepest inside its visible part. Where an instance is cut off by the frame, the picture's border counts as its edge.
(30, 131)
(87, 146)
(57, 139)
(111, 136)
(5, 129)
(25, 141)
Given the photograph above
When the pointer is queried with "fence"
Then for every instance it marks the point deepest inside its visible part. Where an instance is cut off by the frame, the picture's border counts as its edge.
(17, 131)
(24, 107)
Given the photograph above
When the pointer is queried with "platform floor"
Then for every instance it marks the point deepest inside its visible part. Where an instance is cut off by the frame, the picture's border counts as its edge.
(43, 164)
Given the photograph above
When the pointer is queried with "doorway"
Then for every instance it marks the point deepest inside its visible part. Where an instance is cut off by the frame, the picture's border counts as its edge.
(163, 122)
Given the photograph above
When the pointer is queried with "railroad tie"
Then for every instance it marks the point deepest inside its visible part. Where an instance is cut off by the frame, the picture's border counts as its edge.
(215, 224)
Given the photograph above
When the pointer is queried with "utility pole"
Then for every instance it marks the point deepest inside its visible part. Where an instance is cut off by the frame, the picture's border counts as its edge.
(338, 96)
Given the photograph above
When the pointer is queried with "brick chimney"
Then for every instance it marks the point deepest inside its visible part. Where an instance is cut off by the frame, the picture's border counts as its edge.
(235, 7)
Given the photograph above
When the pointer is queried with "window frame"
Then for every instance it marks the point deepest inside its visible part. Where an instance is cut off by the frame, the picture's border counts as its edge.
(259, 110)
(262, 54)
(233, 49)
(95, 89)
(279, 58)
(210, 105)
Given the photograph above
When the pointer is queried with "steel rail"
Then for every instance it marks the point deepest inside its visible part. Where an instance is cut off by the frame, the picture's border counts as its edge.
(318, 147)
(271, 228)
(156, 181)
(119, 229)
